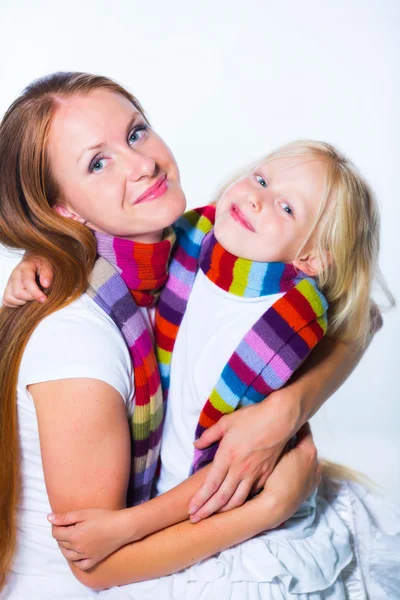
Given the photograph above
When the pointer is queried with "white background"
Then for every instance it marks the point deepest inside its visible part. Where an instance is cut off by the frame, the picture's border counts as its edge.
(226, 81)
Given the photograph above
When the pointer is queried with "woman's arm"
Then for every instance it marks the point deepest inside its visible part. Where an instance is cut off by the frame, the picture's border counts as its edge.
(92, 534)
(85, 446)
(182, 545)
(253, 438)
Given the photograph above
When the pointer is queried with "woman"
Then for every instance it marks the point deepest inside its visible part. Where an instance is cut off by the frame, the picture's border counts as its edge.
(77, 154)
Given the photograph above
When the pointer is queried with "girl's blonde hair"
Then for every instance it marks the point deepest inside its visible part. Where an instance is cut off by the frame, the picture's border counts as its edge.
(345, 236)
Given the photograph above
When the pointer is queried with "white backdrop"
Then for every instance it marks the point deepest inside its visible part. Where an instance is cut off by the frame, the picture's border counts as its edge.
(226, 81)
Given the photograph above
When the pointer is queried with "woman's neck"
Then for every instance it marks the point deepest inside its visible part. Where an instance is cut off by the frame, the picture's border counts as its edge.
(147, 238)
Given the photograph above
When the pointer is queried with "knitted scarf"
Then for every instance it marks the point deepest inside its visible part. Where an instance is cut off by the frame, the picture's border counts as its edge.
(271, 350)
(126, 275)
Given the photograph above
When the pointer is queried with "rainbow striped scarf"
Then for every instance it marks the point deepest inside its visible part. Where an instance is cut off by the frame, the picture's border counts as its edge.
(271, 350)
(127, 274)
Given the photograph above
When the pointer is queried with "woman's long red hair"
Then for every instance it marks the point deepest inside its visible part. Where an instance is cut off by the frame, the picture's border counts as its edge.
(28, 191)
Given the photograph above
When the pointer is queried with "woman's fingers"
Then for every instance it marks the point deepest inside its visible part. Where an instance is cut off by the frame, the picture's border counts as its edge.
(215, 477)
(225, 493)
(240, 496)
(213, 434)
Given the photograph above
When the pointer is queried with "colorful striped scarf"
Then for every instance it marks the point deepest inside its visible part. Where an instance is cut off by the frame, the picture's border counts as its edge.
(127, 274)
(271, 350)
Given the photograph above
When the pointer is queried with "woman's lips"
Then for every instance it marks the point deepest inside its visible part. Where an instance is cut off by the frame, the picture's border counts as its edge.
(239, 217)
(155, 191)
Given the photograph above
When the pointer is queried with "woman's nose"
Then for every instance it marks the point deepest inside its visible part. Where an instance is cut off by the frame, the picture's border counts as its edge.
(140, 166)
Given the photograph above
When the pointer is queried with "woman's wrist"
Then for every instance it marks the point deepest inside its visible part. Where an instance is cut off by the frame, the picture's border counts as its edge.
(289, 407)
(267, 510)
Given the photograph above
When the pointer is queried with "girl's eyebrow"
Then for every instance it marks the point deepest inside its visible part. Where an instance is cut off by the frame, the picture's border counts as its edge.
(100, 145)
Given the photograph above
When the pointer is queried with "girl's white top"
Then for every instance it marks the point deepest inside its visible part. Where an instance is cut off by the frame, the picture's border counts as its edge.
(341, 544)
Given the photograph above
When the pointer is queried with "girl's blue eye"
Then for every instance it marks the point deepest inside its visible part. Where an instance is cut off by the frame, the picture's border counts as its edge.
(261, 181)
(137, 134)
(286, 208)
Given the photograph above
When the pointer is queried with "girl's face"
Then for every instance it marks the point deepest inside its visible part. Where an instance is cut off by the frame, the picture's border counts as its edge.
(116, 175)
(267, 215)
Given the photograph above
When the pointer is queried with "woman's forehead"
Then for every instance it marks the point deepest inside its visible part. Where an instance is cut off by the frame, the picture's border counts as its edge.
(91, 119)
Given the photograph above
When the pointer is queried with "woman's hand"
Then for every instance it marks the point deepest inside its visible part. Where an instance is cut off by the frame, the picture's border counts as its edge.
(295, 477)
(252, 440)
(22, 287)
(85, 537)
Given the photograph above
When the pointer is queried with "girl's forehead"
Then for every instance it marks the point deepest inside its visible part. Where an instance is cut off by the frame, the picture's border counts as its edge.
(291, 167)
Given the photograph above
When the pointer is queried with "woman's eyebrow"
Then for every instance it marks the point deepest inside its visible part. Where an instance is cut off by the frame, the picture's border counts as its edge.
(95, 147)
(100, 145)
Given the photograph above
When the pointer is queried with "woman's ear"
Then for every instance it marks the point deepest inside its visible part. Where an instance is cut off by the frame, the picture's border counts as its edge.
(64, 211)
(311, 264)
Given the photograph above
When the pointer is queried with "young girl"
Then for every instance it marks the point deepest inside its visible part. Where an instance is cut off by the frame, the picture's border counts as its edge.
(246, 301)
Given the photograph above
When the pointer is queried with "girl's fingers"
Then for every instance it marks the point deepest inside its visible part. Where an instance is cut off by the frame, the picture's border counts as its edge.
(85, 564)
(61, 534)
(63, 519)
(11, 301)
(66, 545)
(71, 555)
(30, 290)
(45, 276)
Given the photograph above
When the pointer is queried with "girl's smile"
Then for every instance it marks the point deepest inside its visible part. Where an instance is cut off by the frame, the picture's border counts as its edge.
(238, 216)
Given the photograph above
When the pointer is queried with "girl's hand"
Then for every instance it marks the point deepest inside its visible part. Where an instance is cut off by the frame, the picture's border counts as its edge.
(22, 287)
(295, 477)
(85, 537)
(252, 440)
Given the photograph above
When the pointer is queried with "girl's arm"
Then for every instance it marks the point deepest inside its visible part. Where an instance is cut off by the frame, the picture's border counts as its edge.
(22, 287)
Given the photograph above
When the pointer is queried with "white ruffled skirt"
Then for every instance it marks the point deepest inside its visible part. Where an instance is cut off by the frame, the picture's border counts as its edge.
(343, 544)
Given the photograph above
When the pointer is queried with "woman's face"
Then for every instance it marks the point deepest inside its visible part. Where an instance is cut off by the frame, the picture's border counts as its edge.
(267, 215)
(115, 174)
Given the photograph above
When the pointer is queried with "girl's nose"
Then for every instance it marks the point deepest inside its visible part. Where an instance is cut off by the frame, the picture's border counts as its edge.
(254, 201)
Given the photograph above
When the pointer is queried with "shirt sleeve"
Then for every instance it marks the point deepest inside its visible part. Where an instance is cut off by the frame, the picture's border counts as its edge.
(78, 342)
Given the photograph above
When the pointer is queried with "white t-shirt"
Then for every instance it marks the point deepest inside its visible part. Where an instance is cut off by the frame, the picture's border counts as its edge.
(77, 341)
(213, 326)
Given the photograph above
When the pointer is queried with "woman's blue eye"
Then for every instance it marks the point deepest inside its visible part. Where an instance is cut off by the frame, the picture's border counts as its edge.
(137, 134)
(261, 181)
(96, 164)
